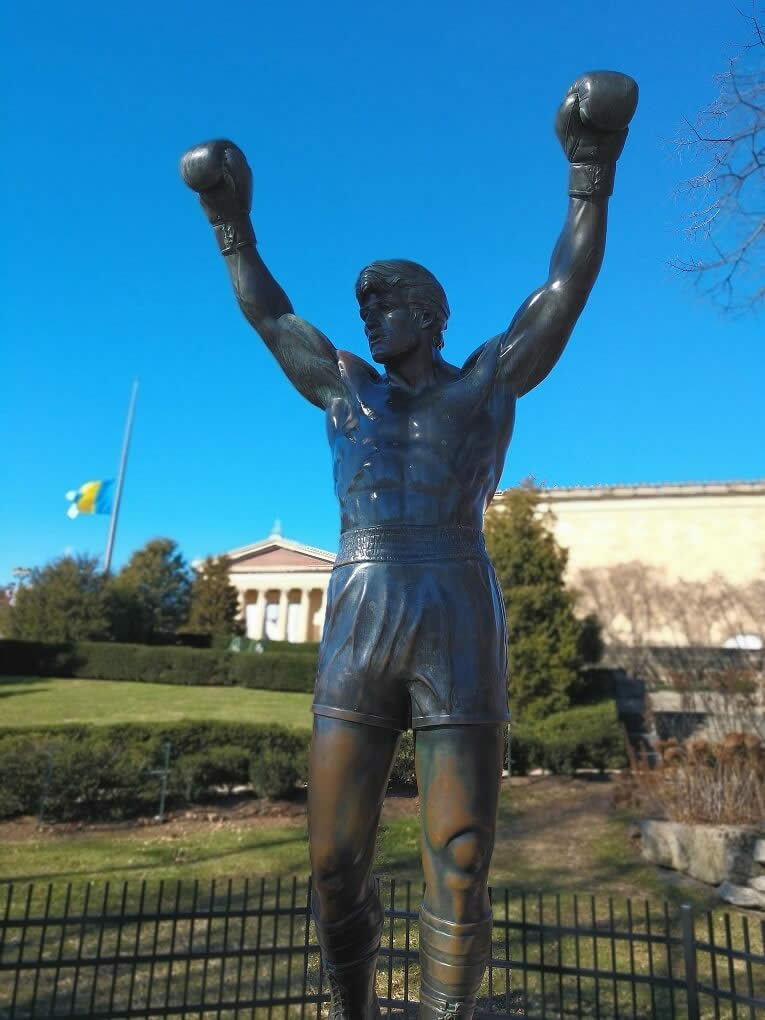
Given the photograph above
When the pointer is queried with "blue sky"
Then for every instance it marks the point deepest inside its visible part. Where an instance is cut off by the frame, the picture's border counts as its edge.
(415, 130)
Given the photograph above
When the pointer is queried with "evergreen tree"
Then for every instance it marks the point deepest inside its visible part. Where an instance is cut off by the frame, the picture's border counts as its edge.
(150, 595)
(130, 619)
(62, 601)
(5, 611)
(547, 644)
(214, 600)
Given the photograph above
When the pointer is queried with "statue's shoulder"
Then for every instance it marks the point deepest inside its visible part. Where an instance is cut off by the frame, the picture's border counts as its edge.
(356, 372)
(480, 369)
(484, 358)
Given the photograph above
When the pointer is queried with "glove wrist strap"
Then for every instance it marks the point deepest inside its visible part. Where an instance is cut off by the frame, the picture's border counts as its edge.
(232, 235)
(591, 180)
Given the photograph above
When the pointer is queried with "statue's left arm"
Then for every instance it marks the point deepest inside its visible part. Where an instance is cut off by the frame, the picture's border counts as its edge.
(592, 127)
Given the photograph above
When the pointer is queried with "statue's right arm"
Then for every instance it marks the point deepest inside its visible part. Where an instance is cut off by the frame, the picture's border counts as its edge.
(306, 355)
(218, 171)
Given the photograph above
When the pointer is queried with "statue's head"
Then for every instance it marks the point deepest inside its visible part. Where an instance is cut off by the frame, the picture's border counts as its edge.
(403, 305)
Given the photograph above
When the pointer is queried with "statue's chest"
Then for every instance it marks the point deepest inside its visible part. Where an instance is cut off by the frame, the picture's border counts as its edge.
(358, 427)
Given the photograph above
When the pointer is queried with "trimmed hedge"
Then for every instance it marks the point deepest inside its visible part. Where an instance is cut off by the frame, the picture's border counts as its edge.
(82, 772)
(86, 772)
(582, 737)
(307, 647)
(274, 671)
(293, 670)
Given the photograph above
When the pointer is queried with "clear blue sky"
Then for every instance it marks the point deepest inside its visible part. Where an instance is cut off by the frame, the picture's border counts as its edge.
(420, 130)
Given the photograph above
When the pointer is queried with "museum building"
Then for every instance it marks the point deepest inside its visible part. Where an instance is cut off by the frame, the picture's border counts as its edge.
(689, 530)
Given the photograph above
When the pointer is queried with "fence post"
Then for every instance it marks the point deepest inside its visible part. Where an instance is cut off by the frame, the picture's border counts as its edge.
(689, 953)
(163, 774)
(51, 754)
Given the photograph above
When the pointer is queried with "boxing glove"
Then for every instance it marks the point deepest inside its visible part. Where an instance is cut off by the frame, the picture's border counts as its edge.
(592, 125)
(219, 173)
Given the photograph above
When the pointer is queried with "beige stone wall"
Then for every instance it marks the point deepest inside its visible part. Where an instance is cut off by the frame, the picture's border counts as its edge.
(689, 531)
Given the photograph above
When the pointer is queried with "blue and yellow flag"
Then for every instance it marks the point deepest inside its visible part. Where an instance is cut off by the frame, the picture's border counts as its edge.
(91, 498)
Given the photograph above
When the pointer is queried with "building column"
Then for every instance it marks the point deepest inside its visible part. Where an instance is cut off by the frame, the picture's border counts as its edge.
(260, 615)
(281, 630)
(322, 610)
(305, 597)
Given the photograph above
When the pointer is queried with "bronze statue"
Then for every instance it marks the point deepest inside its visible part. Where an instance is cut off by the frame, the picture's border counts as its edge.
(415, 630)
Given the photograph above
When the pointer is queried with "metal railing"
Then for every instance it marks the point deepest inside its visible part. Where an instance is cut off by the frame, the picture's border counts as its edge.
(237, 949)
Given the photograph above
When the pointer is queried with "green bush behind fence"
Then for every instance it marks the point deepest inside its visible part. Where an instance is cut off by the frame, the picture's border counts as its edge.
(94, 772)
(87, 772)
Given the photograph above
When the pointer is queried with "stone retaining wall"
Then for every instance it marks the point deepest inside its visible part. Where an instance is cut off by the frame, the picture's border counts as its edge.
(731, 857)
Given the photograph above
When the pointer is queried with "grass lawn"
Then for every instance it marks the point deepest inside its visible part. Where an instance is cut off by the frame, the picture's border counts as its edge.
(553, 836)
(44, 701)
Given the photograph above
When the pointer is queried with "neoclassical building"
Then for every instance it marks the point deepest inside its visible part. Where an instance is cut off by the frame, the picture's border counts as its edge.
(282, 588)
(689, 530)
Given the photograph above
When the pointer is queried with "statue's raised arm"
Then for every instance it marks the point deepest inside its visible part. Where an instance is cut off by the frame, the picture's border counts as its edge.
(218, 171)
(592, 127)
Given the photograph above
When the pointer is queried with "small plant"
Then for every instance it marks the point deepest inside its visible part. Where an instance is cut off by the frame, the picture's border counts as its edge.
(273, 773)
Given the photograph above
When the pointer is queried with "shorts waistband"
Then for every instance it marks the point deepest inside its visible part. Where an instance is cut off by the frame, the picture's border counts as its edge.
(410, 544)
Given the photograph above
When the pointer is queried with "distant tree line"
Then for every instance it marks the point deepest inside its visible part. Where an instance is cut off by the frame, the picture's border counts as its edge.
(152, 599)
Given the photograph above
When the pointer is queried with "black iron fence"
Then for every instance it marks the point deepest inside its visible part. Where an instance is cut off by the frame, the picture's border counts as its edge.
(244, 949)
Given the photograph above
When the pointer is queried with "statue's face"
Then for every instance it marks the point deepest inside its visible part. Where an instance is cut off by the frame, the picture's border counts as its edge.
(391, 328)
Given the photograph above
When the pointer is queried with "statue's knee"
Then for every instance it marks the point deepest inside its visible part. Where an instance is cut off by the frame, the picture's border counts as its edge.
(332, 871)
(466, 858)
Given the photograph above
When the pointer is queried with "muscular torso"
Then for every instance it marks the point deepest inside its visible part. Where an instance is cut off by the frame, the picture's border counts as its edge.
(431, 458)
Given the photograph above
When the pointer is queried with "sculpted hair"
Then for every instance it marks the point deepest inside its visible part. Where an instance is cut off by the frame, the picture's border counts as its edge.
(422, 288)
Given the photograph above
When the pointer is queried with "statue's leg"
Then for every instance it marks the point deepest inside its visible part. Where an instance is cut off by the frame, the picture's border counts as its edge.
(459, 770)
(349, 769)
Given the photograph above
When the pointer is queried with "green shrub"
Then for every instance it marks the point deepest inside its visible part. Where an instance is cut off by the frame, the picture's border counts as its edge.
(226, 766)
(273, 774)
(36, 658)
(282, 671)
(594, 684)
(403, 771)
(106, 661)
(306, 647)
(23, 765)
(582, 737)
(109, 771)
(98, 778)
(292, 670)
(524, 750)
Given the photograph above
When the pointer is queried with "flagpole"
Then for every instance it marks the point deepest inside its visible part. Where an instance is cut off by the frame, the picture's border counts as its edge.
(120, 479)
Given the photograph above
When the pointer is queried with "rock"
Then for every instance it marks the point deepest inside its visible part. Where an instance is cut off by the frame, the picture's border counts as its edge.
(742, 895)
(758, 883)
(710, 853)
(759, 851)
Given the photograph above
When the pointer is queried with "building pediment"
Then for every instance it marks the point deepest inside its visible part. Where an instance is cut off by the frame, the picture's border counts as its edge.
(277, 553)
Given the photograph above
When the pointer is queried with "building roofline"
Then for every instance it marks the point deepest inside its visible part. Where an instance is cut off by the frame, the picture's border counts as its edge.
(622, 490)
(279, 542)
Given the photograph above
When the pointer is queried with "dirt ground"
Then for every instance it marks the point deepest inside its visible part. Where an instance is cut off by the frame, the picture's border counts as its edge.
(576, 802)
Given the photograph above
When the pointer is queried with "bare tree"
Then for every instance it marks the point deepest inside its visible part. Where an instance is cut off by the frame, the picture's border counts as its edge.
(673, 635)
(623, 597)
(727, 195)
